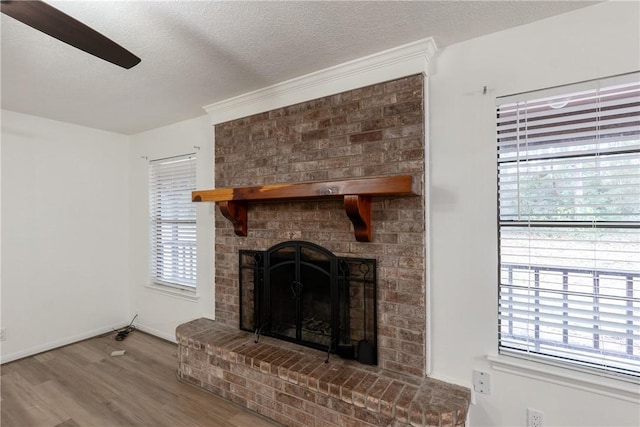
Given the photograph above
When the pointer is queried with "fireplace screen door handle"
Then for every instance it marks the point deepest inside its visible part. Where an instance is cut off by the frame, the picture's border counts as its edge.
(296, 289)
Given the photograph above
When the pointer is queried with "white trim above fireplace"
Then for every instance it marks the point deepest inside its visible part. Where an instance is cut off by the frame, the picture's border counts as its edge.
(401, 61)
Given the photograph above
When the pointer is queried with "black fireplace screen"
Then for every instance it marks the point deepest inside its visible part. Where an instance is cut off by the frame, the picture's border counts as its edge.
(301, 292)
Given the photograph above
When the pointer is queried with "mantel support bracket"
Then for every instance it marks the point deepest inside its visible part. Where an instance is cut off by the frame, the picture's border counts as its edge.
(358, 210)
(236, 212)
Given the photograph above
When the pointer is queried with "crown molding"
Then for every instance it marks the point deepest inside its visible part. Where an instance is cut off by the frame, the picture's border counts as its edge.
(401, 61)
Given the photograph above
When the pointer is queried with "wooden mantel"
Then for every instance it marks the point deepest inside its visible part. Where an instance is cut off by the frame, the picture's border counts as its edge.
(356, 193)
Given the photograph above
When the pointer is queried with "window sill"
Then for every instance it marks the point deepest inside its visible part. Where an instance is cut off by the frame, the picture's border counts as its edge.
(610, 386)
(183, 294)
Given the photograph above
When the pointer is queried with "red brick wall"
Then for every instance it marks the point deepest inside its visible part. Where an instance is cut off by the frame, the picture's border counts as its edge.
(377, 130)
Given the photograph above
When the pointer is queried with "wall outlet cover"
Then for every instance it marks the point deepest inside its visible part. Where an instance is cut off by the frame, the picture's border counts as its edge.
(481, 382)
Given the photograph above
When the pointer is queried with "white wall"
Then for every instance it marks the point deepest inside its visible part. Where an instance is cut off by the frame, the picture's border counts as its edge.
(75, 232)
(64, 233)
(597, 41)
(160, 312)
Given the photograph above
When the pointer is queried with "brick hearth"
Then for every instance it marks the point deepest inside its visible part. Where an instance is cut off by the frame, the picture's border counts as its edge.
(293, 384)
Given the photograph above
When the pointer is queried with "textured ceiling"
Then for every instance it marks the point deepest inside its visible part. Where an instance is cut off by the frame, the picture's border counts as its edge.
(195, 53)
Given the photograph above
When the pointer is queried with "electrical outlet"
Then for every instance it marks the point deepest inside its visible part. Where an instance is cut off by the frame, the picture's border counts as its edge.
(481, 382)
(3, 334)
(535, 418)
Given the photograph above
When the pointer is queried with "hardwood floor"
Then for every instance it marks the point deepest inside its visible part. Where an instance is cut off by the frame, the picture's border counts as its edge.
(83, 385)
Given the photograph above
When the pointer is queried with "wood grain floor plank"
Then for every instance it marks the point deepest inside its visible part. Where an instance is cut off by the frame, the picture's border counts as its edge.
(68, 423)
(31, 369)
(58, 395)
(23, 405)
(83, 385)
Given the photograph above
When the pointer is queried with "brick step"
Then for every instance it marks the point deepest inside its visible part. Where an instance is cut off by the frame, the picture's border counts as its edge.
(293, 385)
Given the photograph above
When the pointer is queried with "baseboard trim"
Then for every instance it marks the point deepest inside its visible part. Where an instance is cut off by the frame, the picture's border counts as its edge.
(160, 334)
(60, 343)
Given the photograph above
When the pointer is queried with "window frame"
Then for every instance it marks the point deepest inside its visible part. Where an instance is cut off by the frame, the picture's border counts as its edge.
(181, 219)
(633, 376)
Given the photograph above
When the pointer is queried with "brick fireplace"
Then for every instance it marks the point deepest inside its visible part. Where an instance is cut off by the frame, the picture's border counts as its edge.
(373, 131)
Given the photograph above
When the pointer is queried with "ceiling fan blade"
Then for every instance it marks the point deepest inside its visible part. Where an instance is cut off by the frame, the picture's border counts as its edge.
(63, 27)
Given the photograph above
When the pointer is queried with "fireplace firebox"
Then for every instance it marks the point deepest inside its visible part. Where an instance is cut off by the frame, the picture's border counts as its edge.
(301, 292)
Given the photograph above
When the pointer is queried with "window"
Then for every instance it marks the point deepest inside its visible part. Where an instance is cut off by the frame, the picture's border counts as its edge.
(569, 225)
(173, 221)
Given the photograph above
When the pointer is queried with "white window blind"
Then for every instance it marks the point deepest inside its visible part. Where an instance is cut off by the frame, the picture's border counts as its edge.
(173, 221)
(569, 225)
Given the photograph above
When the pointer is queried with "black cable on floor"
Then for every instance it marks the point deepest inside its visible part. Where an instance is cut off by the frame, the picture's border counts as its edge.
(122, 333)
